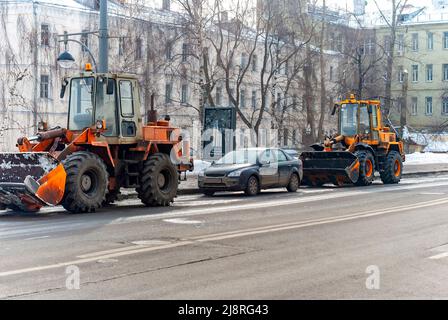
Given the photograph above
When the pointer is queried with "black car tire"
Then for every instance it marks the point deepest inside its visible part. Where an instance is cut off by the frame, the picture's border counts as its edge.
(294, 183)
(253, 186)
(209, 193)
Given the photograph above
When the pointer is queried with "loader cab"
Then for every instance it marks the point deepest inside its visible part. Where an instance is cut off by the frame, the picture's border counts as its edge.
(359, 118)
(111, 98)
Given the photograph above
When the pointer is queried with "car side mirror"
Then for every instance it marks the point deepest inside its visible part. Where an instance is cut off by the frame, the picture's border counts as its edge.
(110, 87)
(335, 108)
(63, 88)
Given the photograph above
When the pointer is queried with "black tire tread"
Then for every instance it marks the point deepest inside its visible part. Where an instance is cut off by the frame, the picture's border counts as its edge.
(387, 174)
(149, 192)
(362, 156)
(71, 202)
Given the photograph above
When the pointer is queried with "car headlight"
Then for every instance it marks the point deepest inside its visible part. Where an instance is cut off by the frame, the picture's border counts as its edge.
(234, 174)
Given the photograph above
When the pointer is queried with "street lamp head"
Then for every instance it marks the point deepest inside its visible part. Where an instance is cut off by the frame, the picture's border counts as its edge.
(66, 60)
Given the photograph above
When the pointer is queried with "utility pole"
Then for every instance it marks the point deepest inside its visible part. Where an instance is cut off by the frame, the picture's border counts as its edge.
(404, 98)
(103, 39)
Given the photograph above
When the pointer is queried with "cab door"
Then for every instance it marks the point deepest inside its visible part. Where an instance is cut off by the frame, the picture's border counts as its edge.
(106, 106)
(130, 120)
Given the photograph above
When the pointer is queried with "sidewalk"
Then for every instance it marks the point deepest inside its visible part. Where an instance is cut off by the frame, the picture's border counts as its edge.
(191, 185)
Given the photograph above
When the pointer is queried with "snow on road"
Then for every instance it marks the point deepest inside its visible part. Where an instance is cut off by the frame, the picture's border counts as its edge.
(427, 157)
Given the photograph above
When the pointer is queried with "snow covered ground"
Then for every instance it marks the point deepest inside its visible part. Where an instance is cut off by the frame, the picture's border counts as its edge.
(426, 158)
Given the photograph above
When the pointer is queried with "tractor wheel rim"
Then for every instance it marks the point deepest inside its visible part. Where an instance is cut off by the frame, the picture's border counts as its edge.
(86, 183)
(369, 168)
(397, 168)
(161, 181)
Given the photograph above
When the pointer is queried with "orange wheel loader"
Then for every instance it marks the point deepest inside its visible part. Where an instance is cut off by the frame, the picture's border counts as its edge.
(105, 147)
(362, 147)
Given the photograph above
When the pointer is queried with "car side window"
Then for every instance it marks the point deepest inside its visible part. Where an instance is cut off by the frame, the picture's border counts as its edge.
(268, 156)
(281, 156)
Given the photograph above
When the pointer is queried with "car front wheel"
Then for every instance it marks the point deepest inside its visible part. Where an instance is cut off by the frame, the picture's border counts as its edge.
(253, 186)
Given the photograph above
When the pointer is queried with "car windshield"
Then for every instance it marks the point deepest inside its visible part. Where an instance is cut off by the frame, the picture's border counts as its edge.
(239, 157)
(81, 103)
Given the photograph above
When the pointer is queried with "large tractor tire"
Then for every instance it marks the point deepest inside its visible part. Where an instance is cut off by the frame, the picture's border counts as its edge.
(366, 168)
(393, 168)
(86, 184)
(159, 181)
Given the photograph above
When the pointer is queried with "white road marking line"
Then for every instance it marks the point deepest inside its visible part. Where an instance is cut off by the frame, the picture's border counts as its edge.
(439, 256)
(432, 193)
(231, 234)
(182, 221)
(37, 238)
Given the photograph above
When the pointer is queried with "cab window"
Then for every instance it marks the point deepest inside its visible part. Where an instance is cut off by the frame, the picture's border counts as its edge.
(126, 99)
(364, 120)
(106, 107)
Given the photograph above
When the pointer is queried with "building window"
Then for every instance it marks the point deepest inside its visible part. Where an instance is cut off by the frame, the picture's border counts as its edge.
(369, 47)
(400, 44)
(294, 137)
(166, 5)
(339, 43)
(414, 73)
(168, 52)
(44, 86)
(445, 72)
(243, 60)
(400, 74)
(45, 35)
(243, 99)
(415, 42)
(121, 46)
(84, 41)
(387, 44)
(254, 63)
(184, 52)
(218, 98)
(445, 105)
(168, 92)
(429, 72)
(430, 41)
(254, 100)
(331, 73)
(279, 100)
(139, 49)
(184, 94)
(414, 106)
(428, 110)
(445, 40)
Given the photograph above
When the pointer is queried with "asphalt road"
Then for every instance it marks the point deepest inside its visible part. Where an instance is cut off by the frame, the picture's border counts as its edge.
(375, 242)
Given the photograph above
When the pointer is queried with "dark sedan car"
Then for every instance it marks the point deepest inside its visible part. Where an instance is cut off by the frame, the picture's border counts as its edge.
(251, 170)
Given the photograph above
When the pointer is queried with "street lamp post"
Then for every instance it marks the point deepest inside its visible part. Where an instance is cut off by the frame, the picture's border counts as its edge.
(66, 60)
(404, 98)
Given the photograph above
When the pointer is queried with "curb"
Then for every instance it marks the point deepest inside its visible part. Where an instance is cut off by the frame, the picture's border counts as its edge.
(192, 191)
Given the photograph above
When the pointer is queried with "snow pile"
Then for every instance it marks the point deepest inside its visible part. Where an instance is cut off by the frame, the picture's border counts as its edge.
(199, 165)
(433, 142)
(426, 158)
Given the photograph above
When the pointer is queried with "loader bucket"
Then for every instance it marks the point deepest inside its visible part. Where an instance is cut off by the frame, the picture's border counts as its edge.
(337, 167)
(27, 180)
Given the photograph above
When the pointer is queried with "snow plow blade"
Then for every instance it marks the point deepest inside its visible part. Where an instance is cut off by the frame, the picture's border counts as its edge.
(29, 181)
(337, 167)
